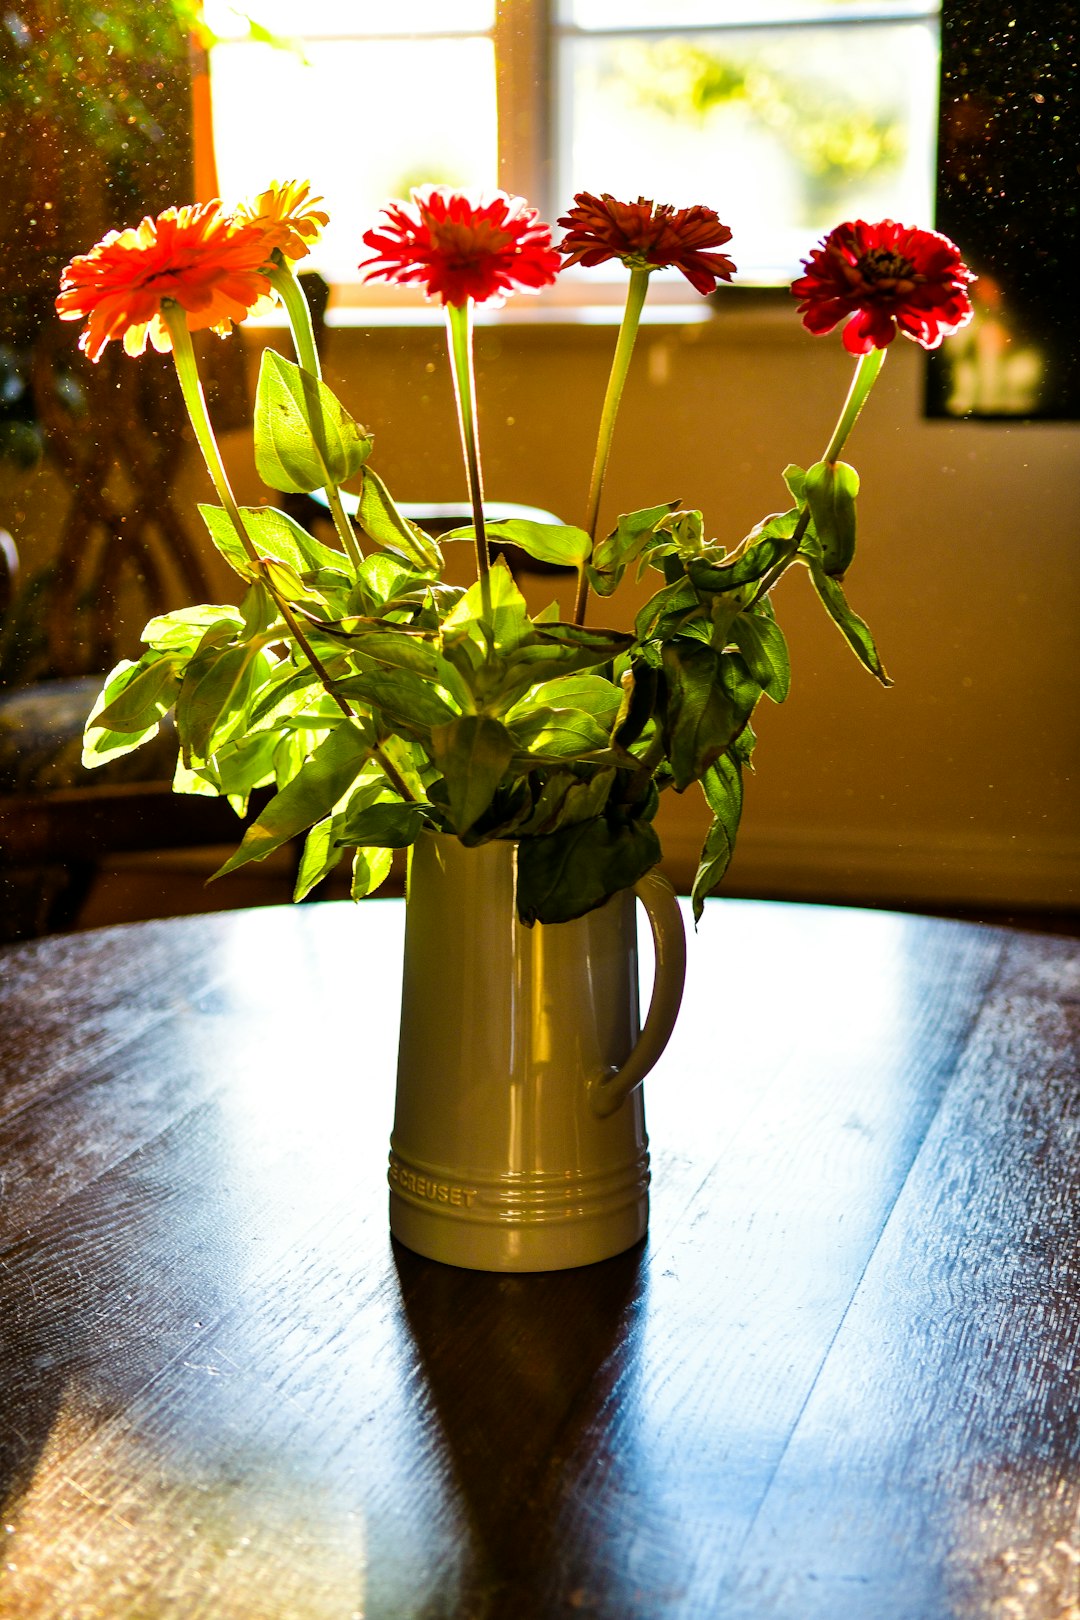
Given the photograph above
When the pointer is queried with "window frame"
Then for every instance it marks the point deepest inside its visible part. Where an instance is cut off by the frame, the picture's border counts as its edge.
(527, 38)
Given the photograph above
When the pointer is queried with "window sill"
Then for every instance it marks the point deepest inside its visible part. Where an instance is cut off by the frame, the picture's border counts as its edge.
(734, 314)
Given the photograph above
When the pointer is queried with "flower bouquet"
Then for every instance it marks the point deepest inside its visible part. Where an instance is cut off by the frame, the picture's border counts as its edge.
(375, 700)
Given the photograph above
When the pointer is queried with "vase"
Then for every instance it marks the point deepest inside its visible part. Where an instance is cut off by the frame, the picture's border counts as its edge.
(519, 1129)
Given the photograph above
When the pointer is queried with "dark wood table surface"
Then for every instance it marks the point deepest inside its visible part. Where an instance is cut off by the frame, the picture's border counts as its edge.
(839, 1380)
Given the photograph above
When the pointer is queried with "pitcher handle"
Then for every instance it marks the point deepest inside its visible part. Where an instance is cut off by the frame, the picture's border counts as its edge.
(609, 1091)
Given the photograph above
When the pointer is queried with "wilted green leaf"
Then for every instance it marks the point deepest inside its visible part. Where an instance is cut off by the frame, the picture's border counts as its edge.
(573, 870)
(632, 533)
(856, 631)
(745, 568)
(700, 719)
(722, 786)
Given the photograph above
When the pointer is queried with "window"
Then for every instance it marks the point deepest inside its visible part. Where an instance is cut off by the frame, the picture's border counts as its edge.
(784, 115)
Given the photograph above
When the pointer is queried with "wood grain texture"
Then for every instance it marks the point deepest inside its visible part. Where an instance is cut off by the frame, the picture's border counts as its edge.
(838, 1379)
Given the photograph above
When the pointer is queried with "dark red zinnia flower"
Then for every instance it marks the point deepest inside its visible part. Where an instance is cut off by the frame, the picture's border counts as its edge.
(647, 236)
(886, 277)
(458, 247)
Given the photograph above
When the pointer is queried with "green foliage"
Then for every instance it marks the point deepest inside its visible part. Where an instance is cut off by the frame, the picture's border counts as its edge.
(374, 700)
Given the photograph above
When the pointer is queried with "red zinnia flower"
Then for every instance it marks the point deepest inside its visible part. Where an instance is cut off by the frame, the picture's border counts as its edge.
(886, 277)
(197, 256)
(647, 236)
(458, 248)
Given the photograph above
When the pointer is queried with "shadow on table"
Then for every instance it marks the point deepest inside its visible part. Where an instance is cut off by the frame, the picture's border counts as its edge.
(520, 1386)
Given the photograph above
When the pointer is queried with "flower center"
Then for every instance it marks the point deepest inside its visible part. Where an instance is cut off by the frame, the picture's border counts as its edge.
(882, 270)
(465, 242)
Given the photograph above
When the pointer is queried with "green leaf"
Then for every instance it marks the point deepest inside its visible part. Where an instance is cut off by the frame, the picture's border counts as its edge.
(371, 867)
(380, 519)
(854, 630)
(795, 479)
(574, 870)
(722, 786)
(216, 691)
(761, 641)
(243, 765)
(404, 699)
(701, 719)
(472, 753)
(276, 534)
(558, 543)
(665, 612)
(219, 526)
(404, 649)
(182, 631)
(101, 743)
(137, 695)
(312, 794)
(558, 733)
(304, 438)
(509, 623)
(287, 584)
(322, 852)
(599, 697)
(830, 488)
(383, 826)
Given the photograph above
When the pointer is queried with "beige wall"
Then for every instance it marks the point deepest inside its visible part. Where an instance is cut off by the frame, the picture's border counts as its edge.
(960, 783)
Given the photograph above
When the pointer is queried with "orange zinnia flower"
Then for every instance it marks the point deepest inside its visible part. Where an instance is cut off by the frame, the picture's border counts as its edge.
(287, 217)
(647, 236)
(199, 257)
(459, 247)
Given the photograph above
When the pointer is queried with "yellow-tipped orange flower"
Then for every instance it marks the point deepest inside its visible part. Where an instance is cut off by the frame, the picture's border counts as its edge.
(205, 261)
(287, 216)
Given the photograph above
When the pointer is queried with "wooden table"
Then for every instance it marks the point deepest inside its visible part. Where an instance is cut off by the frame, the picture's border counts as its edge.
(838, 1381)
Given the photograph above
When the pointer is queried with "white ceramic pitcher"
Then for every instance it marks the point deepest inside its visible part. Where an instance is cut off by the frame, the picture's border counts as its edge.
(519, 1131)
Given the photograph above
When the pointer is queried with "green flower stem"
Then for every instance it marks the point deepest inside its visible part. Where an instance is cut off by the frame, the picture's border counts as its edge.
(282, 278)
(620, 365)
(866, 374)
(187, 371)
(459, 330)
(195, 400)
